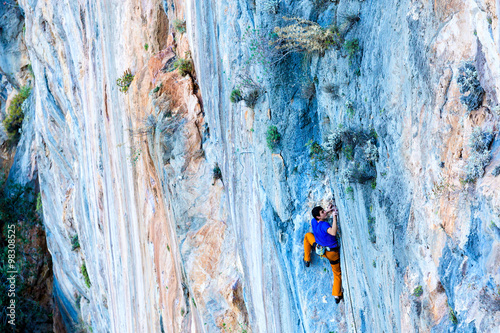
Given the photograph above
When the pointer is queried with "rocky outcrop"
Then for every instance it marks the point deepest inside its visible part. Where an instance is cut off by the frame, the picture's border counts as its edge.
(167, 243)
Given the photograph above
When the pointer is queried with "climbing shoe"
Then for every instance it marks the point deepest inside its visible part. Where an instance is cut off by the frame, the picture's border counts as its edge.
(338, 299)
(307, 263)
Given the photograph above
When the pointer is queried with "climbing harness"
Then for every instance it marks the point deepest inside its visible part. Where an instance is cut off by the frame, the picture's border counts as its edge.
(320, 250)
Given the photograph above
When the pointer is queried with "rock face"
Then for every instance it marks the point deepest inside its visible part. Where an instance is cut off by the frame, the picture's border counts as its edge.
(166, 245)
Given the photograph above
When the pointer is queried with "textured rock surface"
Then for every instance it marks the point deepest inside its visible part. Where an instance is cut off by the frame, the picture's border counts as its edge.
(131, 174)
(33, 280)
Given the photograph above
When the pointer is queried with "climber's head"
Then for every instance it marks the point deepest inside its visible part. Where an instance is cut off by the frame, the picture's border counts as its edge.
(319, 213)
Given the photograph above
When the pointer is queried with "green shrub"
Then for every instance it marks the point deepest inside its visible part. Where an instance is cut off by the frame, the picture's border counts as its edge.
(317, 156)
(480, 156)
(14, 120)
(273, 137)
(418, 291)
(350, 192)
(371, 152)
(216, 174)
(470, 87)
(78, 302)
(85, 274)
(350, 108)
(496, 171)
(184, 66)
(371, 230)
(334, 141)
(125, 81)
(453, 317)
(235, 95)
(374, 183)
(180, 26)
(75, 244)
(348, 151)
(315, 150)
(146, 46)
(39, 207)
(352, 47)
(157, 88)
(30, 69)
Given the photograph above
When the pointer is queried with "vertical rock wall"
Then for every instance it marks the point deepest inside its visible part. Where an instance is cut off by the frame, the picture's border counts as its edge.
(168, 247)
(417, 224)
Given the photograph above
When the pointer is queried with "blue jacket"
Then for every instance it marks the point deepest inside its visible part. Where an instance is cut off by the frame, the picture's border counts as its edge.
(321, 235)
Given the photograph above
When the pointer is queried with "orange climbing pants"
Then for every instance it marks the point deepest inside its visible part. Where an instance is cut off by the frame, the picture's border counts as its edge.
(309, 240)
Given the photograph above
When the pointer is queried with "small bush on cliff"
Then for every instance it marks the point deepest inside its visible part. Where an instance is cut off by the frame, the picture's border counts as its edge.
(75, 244)
(350, 108)
(180, 26)
(480, 156)
(453, 317)
(157, 88)
(184, 66)
(496, 171)
(235, 95)
(352, 47)
(14, 120)
(251, 98)
(349, 191)
(125, 81)
(306, 36)
(480, 140)
(331, 90)
(470, 87)
(334, 141)
(39, 206)
(85, 274)
(371, 152)
(216, 173)
(347, 174)
(371, 230)
(418, 291)
(273, 137)
(316, 152)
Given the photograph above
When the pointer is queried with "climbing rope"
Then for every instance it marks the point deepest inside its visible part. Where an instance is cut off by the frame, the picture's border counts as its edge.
(348, 289)
(347, 280)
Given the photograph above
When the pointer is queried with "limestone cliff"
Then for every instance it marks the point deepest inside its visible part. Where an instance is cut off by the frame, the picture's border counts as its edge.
(189, 220)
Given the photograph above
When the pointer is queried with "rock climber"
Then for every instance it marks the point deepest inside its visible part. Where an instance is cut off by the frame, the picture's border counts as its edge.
(325, 235)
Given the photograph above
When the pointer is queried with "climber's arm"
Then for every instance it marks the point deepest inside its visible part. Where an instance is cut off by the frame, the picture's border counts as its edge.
(333, 229)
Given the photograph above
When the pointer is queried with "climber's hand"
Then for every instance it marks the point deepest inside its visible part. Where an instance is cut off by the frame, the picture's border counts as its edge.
(333, 209)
